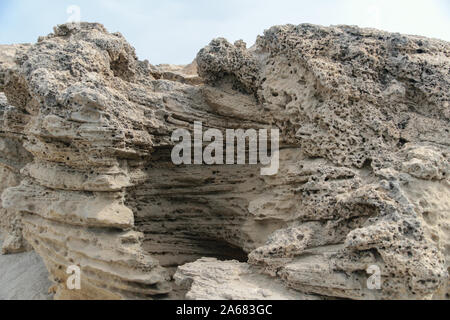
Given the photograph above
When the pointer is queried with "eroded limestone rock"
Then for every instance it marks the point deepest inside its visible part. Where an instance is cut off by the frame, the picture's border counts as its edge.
(363, 180)
(13, 157)
(211, 279)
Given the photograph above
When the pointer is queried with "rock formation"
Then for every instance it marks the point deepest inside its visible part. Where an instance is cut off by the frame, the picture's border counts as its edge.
(13, 156)
(364, 165)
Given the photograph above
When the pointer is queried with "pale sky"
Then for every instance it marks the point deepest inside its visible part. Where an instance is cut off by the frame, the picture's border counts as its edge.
(173, 31)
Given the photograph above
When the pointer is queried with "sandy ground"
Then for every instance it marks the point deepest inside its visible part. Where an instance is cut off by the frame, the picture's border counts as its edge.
(23, 277)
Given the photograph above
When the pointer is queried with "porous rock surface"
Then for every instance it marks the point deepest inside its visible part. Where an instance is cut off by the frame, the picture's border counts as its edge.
(363, 180)
(13, 156)
(211, 279)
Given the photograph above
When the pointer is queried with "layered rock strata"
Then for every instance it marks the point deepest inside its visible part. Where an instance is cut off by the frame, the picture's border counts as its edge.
(363, 180)
(13, 156)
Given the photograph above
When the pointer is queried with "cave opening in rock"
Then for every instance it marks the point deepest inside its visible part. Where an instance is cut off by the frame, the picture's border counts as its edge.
(190, 212)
